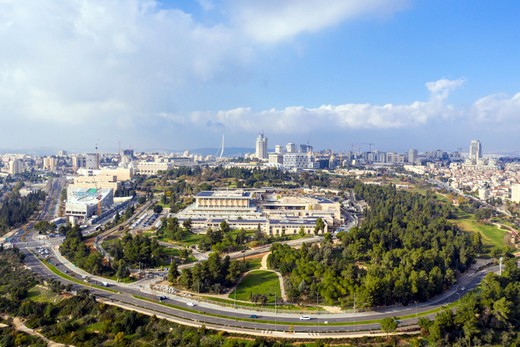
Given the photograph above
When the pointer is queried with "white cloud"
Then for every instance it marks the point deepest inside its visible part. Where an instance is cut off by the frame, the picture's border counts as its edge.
(440, 89)
(497, 108)
(118, 63)
(78, 61)
(300, 119)
(277, 20)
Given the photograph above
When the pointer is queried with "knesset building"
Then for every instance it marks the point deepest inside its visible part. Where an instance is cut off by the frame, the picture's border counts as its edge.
(275, 214)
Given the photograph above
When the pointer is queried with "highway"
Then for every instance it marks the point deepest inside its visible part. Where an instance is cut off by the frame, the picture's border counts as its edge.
(224, 318)
(229, 318)
(239, 319)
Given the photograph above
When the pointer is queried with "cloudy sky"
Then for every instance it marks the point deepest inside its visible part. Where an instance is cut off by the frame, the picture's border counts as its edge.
(180, 74)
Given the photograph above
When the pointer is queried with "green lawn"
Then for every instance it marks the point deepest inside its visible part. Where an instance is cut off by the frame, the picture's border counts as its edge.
(491, 235)
(258, 282)
(253, 263)
(41, 294)
(191, 239)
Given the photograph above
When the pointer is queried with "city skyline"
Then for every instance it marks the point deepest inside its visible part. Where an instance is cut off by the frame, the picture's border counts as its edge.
(163, 75)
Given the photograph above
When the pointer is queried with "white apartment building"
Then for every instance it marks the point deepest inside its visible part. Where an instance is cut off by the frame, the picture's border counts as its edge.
(297, 161)
(15, 166)
(515, 193)
(152, 167)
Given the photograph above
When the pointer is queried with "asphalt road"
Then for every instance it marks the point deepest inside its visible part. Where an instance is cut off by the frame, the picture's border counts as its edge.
(225, 318)
(322, 324)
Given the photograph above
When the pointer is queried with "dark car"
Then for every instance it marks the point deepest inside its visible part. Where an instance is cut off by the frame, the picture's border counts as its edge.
(253, 316)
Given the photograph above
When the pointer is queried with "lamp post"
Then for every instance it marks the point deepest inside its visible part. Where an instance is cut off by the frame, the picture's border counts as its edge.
(275, 316)
(317, 301)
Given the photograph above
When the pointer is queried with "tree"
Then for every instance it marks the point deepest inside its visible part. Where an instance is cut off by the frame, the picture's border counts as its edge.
(173, 272)
(157, 209)
(122, 270)
(44, 227)
(320, 226)
(187, 224)
(388, 325)
(224, 226)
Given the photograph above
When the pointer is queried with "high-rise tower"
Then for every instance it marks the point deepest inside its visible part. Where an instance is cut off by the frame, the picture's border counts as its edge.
(475, 150)
(261, 146)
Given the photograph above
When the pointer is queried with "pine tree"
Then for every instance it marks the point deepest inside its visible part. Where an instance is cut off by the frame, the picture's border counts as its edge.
(173, 272)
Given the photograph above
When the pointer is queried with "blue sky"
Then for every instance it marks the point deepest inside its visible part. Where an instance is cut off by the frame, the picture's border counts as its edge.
(180, 74)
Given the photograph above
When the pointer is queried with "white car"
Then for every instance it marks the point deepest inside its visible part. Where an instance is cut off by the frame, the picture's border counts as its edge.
(191, 304)
(305, 317)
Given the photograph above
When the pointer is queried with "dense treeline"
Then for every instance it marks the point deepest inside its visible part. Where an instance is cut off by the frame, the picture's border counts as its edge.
(221, 240)
(489, 316)
(404, 251)
(213, 275)
(15, 210)
(74, 249)
(138, 250)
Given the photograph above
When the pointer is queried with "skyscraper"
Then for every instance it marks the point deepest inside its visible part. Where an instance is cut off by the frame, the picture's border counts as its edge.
(475, 150)
(412, 156)
(261, 147)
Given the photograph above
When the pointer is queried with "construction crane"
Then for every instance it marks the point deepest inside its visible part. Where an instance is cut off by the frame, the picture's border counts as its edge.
(369, 146)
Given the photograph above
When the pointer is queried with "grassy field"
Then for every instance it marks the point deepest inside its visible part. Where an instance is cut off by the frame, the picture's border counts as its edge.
(42, 294)
(258, 282)
(254, 263)
(491, 235)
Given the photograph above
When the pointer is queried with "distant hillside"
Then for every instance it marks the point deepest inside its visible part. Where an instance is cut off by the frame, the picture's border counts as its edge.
(228, 152)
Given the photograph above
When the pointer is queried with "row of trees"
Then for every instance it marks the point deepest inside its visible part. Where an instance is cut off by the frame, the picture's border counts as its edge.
(172, 229)
(213, 275)
(404, 251)
(137, 250)
(74, 249)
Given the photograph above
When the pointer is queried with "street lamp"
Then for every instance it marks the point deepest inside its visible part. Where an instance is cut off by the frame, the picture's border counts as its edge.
(317, 300)
(275, 316)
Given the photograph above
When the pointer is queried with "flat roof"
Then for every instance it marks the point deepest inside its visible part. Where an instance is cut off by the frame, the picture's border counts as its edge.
(224, 194)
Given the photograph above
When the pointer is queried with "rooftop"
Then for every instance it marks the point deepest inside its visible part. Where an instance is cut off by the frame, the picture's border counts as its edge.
(224, 194)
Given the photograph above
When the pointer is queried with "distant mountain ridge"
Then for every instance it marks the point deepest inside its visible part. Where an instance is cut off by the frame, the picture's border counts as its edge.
(228, 152)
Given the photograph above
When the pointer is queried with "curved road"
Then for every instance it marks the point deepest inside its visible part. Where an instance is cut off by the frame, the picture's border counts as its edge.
(239, 320)
(222, 318)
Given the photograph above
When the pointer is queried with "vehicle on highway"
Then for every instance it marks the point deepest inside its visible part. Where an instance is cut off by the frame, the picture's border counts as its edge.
(253, 316)
(305, 317)
(161, 297)
(191, 304)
